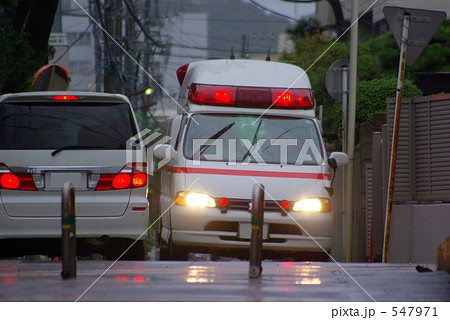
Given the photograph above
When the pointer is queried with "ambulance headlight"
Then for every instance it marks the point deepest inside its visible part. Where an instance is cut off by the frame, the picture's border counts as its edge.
(312, 205)
(196, 199)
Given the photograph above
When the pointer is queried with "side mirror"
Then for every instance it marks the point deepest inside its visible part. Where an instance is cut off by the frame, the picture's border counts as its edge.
(332, 163)
(337, 159)
(164, 151)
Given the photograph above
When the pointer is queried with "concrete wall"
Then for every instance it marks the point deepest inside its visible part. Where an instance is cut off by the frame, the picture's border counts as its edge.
(417, 231)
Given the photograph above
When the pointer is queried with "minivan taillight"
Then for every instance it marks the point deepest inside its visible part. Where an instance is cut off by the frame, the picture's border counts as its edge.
(129, 177)
(11, 181)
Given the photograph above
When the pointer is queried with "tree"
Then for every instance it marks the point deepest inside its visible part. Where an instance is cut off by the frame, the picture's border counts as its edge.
(377, 70)
(28, 29)
(16, 64)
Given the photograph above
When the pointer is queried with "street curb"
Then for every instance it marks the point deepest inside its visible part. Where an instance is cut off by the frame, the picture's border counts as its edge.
(443, 256)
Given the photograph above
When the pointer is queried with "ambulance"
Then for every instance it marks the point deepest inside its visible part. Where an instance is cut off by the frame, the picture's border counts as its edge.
(241, 123)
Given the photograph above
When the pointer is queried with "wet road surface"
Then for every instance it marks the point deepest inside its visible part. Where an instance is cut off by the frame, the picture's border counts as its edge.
(22, 280)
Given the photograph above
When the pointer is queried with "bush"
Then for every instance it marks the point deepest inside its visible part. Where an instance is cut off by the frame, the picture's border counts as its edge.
(371, 97)
(377, 70)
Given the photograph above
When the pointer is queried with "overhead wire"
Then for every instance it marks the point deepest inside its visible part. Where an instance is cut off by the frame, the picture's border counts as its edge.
(139, 23)
(72, 44)
(271, 11)
(105, 37)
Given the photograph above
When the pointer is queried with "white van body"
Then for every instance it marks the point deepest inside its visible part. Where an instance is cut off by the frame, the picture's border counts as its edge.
(50, 137)
(220, 151)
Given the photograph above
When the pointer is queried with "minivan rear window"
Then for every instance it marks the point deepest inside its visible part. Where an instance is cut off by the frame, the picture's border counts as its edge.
(51, 126)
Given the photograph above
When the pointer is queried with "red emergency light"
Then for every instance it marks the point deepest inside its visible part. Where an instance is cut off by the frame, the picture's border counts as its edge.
(213, 95)
(181, 73)
(292, 98)
(251, 97)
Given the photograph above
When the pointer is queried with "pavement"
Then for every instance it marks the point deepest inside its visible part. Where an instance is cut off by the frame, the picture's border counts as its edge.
(23, 280)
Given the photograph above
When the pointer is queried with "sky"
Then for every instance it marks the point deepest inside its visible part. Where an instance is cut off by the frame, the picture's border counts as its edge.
(294, 10)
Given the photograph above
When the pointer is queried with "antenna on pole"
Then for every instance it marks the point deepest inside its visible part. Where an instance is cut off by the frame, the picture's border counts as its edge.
(247, 49)
(232, 53)
(268, 54)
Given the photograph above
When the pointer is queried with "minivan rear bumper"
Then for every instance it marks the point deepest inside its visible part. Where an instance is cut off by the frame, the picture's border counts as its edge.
(132, 225)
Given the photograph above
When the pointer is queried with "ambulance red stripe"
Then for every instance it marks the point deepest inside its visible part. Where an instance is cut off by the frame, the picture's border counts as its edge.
(250, 173)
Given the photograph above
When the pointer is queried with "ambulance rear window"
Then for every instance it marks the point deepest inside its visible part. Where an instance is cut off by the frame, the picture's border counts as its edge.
(253, 139)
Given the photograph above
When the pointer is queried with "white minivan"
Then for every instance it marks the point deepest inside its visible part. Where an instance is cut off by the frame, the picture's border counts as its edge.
(241, 123)
(48, 138)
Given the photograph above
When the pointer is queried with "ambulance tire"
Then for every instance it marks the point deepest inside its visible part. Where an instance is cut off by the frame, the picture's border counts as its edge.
(177, 253)
(163, 250)
(168, 252)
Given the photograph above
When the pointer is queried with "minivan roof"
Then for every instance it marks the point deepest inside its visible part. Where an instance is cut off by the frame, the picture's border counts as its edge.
(45, 96)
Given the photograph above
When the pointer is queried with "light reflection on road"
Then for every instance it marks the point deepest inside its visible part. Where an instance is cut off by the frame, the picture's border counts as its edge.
(303, 274)
(307, 275)
(135, 279)
(200, 274)
(7, 279)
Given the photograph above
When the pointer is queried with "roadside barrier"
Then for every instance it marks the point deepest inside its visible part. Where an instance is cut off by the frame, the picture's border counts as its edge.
(69, 238)
(257, 232)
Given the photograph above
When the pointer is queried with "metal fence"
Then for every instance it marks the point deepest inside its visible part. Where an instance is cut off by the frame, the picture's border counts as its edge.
(423, 171)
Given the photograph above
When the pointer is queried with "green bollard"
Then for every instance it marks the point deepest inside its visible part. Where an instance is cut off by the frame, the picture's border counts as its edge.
(257, 232)
(69, 239)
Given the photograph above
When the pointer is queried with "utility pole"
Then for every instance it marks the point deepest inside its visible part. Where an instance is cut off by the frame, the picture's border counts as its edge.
(148, 47)
(130, 80)
(94, 11)
(113, 26)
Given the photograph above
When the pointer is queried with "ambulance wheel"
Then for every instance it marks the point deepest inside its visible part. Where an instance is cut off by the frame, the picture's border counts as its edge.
(176, 252)
(163, 250)
(164, 253)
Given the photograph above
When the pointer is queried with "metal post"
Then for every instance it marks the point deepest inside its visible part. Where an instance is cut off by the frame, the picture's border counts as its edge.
(69, 239)
(351, 131)
(344, 95)
(398, 106)
(257, 232)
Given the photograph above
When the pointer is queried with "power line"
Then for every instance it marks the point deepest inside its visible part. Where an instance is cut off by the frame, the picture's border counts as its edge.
(238, 20)
(72, 44)
(271, 11)
(139, 23)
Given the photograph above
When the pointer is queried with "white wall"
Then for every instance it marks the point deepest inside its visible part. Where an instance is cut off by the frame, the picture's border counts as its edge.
(417, 231)
(81, 66)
